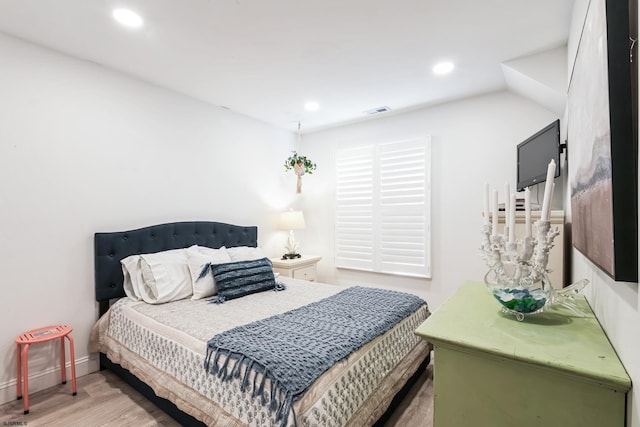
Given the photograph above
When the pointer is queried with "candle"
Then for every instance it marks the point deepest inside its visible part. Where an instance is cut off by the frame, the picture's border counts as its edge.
(506, 208)
(553, 189)
(494, 220)
(548, 191)
(507, 211)
(485, 210)
(507, 191)
(512, 218)
(527, 212)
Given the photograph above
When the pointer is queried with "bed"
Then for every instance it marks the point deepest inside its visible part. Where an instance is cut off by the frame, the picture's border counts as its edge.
(161, 349)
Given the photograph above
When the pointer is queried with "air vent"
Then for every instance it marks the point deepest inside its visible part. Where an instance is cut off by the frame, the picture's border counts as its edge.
(378, 110)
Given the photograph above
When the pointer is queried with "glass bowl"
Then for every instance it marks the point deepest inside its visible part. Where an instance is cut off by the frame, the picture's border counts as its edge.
(518, 291)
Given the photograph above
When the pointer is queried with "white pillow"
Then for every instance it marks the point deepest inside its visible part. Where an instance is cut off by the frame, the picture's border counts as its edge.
(245, 253)
(166, 276)
(198, 257)
(132, 276)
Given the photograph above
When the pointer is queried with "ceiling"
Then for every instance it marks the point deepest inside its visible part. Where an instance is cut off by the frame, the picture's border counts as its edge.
(266, 58)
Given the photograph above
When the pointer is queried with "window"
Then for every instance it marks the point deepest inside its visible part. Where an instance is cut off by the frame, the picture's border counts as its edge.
(383, 196)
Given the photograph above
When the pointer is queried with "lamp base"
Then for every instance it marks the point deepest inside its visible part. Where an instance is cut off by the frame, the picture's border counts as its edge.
(291, 256)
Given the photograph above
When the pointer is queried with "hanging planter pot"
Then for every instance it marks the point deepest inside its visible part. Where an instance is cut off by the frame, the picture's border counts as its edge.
(300, 165)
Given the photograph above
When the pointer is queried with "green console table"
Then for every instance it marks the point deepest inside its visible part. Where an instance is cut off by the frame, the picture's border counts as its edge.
(552, 369)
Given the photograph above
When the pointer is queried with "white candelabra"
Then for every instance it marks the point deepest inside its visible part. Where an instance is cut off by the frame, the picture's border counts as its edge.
(528, 257)
(517, 275)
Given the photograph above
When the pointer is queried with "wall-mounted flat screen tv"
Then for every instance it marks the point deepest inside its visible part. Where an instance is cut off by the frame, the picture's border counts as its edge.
(535, 153)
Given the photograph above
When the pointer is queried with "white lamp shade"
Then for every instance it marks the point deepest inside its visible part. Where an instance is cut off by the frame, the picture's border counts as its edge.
(292, 220)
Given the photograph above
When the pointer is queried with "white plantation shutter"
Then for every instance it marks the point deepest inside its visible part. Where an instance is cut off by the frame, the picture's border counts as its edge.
(402, 211)
(354, 207)
(383, 200)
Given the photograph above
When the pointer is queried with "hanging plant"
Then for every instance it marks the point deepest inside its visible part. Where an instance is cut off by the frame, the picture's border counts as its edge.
(298, 162)
(300, 165)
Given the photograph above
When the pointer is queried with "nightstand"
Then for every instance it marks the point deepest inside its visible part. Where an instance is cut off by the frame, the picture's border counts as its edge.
(304, 268)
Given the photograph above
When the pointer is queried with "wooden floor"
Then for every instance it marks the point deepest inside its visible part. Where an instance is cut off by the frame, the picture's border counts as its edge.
(105, 400)
(416, 409)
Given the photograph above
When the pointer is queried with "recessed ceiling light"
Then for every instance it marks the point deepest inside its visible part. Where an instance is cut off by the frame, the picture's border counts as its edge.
(128, 18)
(311, 106)
(443, 68)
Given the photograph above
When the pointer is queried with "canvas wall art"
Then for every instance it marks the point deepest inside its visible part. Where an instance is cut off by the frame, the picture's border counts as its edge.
(602, 148)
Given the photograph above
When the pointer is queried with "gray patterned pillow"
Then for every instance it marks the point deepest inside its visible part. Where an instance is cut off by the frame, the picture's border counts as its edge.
(237, 279)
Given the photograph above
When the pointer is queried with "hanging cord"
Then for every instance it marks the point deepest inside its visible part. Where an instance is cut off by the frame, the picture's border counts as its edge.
(299, 138)
(633, 43)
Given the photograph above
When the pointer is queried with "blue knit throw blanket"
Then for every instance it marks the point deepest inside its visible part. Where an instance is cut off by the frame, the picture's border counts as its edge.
(294, 348)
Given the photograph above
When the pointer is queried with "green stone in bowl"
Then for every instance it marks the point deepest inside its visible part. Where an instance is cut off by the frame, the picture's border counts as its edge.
(521, 300)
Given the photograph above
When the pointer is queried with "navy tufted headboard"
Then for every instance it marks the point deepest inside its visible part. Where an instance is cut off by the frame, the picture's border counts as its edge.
(110, 248)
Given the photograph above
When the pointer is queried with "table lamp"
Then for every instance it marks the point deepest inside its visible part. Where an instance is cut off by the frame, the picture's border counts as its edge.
(291, 220)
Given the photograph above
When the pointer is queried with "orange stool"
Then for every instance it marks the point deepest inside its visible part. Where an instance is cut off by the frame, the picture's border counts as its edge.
(41, 335)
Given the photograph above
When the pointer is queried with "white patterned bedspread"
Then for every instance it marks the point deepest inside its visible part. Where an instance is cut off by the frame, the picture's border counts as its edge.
(165, 346)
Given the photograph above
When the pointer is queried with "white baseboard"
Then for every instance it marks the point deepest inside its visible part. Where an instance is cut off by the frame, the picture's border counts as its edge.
(50, 377)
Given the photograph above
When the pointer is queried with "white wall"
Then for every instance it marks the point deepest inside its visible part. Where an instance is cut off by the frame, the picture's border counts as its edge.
(471, 141)
(84, 149)
(614, 303)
